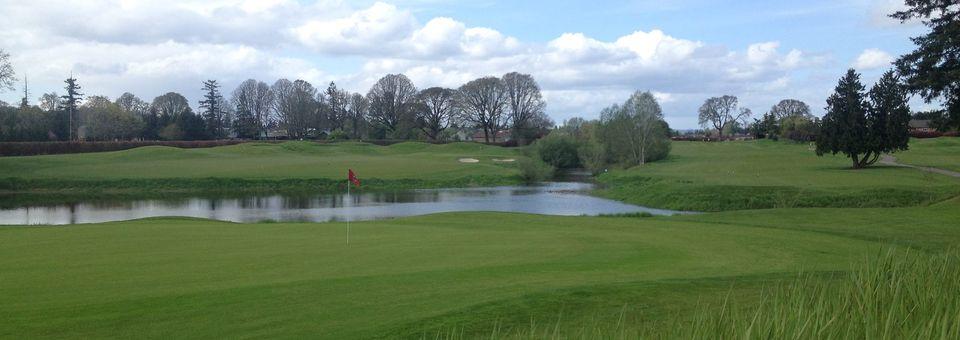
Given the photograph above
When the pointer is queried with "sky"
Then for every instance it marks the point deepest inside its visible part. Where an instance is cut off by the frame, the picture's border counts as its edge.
(586, 55)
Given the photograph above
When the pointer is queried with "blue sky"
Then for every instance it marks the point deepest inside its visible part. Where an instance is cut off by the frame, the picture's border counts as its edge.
(586, 54)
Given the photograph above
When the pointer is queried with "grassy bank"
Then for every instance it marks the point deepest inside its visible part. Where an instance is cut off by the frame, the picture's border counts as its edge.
(258, 167)
(415, 276)
(765, 174)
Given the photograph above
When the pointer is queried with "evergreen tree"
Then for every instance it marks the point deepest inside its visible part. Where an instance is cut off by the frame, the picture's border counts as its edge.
(889, 115)
(69, 103)
(933, 69)
(213, 110)
(865, 130)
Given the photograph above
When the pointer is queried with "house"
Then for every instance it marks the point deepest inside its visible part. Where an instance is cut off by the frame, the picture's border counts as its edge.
(920, 125)
(501, 136)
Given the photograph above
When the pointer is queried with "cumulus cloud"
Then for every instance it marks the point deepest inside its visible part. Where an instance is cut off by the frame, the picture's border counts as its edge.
(108, 44)
(872, 58)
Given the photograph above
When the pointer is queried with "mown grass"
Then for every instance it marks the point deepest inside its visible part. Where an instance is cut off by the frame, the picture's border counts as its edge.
(766, 174)
(257, 167)
(943, 152)
(409, 277)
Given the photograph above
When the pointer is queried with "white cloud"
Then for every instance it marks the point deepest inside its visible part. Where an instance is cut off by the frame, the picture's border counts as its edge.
(375, 30)
(111, 49)
(872, 58)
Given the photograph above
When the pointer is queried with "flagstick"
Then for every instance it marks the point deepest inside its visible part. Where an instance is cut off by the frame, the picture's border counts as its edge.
(348, 210)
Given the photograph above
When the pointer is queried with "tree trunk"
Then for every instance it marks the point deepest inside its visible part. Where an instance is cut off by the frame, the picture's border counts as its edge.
(856, 161)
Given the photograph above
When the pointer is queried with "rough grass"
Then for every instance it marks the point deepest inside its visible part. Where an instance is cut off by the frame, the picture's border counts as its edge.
(258, 167)
(186, 278)
(766, 174)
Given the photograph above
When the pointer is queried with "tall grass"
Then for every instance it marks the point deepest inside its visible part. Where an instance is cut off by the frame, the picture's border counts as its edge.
(894, 295)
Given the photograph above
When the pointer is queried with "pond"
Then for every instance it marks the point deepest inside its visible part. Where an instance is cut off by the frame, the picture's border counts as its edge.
(555, 198)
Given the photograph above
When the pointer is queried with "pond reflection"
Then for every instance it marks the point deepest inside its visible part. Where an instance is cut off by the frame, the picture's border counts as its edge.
(559, 198)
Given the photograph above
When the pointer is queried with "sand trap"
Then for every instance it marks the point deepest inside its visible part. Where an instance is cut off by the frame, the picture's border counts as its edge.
(469, 160)
(508, 160)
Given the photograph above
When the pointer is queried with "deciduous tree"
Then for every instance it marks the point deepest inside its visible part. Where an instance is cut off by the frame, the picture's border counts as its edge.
(392, 101)
(6, 72)
(720, 112)
(437, 105)
(482, 103)
(525, 102)
(254, 98)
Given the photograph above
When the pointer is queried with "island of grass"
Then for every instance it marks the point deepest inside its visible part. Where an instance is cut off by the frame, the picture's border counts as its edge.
(258, 167)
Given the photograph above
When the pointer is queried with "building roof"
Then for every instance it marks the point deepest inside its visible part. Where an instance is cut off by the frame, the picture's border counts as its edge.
(919, 123)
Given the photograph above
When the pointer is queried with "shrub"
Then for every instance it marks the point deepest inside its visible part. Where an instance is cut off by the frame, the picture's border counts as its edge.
(558, 150)
(534, 170)
(925, 134)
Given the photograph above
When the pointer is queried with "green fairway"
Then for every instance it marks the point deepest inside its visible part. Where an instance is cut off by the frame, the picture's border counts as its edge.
(261, 166)
(943, 152)
(200, 279)
(766, 174)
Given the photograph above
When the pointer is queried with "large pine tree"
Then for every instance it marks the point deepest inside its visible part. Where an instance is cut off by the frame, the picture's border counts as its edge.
(69, 103)
(861, 129)
(213, 111)
(933, 69)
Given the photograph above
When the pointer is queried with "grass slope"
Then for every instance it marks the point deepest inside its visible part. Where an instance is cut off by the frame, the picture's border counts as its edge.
(765, 174)
(187, 278)
(943, 153)
(259, 166)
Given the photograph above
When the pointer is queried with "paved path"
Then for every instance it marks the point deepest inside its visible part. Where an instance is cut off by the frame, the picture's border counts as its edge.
(890, 160)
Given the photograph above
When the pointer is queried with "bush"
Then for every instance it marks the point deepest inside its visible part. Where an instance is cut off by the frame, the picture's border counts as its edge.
(925, 134)
(534, 170)
(558, 150)
(338, 135)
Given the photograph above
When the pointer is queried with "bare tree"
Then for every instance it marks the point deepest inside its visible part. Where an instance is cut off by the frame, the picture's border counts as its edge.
(525, 100)
(50, 102)
(295, 105)
(359, 107)
(720, 112)
(130, 103)
(790, 108)
(437, 105)
(6, 72)
(482, 102)
(256, 99)
(391, 100)
(171, 105)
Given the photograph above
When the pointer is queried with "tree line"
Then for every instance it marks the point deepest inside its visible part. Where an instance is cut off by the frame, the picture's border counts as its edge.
(510, 106)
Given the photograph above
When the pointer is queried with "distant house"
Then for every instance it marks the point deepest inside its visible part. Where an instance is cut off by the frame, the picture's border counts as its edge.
(502, 136)
(921, 125)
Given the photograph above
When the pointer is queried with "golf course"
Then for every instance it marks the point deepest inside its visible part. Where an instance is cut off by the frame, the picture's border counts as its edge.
(775, 215)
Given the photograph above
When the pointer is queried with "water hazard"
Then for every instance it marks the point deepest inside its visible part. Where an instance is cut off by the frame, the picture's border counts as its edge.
(556, 198)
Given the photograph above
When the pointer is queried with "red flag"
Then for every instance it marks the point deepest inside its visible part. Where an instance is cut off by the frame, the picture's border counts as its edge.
(353, 178)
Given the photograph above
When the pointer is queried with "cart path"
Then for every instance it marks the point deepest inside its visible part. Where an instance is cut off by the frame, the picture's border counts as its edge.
(890, 160)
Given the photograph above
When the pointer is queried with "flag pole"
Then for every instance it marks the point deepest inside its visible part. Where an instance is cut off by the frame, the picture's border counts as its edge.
(348, 204)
